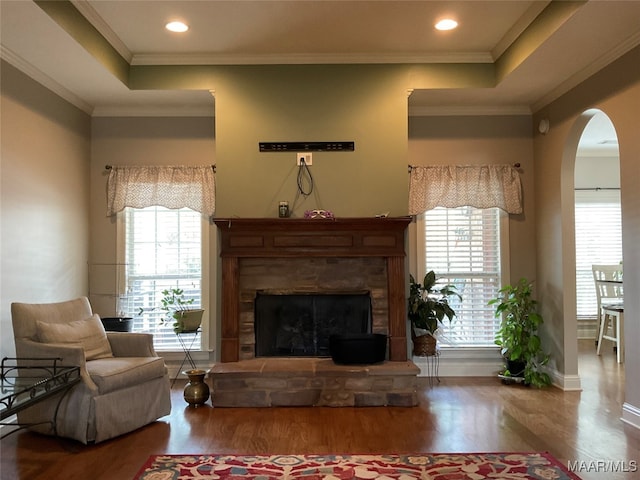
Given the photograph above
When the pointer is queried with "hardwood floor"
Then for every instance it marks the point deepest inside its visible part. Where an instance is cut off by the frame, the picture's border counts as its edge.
(456, 415)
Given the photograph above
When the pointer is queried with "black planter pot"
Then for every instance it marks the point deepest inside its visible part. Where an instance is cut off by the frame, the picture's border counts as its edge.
(117, 324)
(516, 368)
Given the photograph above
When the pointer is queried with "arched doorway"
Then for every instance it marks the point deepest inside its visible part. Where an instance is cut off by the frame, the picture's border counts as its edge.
(570, 154)
(597, 213)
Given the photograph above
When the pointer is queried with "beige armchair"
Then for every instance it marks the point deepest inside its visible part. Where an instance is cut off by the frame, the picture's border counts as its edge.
(124, 386)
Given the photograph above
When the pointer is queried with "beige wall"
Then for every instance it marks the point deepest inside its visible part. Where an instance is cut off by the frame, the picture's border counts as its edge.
(616, 91)
(139, 141)
(44, 198)
(484, 140)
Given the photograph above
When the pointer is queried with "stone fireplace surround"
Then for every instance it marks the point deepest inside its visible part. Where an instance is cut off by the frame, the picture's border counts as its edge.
(312, 256)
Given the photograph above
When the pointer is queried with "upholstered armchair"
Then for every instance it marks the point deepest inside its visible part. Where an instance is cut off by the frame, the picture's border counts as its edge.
(124, 386)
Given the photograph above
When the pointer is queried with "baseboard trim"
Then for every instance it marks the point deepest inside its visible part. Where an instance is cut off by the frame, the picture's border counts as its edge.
(631, 415)
(485, 366)
(587, 329)
(461, 362)
(567, 383)
(8, 426)
(176, 362)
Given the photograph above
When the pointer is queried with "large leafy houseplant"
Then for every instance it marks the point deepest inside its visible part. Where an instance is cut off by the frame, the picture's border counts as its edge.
(518, 333)
(428, 306)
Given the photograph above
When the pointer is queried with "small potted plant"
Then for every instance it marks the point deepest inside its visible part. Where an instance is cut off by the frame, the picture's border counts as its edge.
(427, 308)
(178, 307)
(518, 335)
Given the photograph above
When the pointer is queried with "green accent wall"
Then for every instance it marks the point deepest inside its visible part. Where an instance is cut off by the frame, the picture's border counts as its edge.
(365, 104)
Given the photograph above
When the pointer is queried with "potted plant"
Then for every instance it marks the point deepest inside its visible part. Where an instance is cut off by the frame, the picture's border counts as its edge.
(518, 334)
(178, 307)
(427, 307)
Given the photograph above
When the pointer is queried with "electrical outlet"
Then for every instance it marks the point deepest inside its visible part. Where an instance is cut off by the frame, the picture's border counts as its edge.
(307, 157)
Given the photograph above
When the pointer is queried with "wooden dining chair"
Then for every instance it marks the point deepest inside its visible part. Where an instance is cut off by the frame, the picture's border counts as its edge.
(612, 328)
(606, 294)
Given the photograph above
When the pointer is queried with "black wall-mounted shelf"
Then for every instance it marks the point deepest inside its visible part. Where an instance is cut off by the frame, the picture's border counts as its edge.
(307, 146)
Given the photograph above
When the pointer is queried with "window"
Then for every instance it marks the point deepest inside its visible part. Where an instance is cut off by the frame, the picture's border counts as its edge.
(162, 249)
(465, 246)
(598, 241)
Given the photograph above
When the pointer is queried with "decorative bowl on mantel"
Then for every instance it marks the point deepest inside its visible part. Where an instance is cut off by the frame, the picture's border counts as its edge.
(318, 214)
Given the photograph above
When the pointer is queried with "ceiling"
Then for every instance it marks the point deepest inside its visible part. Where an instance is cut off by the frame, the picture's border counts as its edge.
(540, 49)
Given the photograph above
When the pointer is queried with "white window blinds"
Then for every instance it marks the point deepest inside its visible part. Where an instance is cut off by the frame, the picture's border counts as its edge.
(163, 250)
(463, 247)
(598, 227)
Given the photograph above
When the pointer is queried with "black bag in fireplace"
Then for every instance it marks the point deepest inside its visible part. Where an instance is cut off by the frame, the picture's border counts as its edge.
(358, 348)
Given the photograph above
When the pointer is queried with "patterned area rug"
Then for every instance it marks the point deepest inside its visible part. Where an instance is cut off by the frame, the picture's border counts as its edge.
(476, 466)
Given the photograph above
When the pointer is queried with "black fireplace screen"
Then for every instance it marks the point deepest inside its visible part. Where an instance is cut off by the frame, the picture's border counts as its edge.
(299, 325)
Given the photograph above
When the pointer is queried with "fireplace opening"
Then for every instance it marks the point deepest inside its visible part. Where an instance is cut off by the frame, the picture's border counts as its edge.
(300, 325)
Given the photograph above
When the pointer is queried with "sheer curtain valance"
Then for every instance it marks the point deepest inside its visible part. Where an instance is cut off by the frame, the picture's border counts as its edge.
(453, 186)
(165, 186)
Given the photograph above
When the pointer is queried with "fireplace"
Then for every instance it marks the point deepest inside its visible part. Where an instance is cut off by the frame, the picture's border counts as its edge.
(350, 257)
(300, 325)
(312, 255)
(297, 277)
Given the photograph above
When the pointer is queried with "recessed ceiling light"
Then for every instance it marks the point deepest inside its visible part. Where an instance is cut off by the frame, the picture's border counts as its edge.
(446, 24)
(177, 27)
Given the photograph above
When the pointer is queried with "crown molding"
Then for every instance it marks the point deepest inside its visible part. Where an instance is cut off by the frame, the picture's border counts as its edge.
(28, 69)
(307, 59)
(155, 111)
(579, 77)
(462, 111)
(87, 11)
(106, 111)
(519, 27)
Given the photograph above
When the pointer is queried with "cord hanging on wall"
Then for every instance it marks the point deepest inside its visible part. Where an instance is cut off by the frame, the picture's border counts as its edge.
(304, 176)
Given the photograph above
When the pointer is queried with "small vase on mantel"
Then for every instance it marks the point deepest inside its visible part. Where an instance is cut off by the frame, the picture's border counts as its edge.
(196, 392)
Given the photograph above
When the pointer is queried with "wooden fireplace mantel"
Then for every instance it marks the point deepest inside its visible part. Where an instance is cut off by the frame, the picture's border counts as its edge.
(339, 237)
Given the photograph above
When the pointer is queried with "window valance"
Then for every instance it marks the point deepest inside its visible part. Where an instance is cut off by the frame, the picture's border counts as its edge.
(453, 186)
(167, 186)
